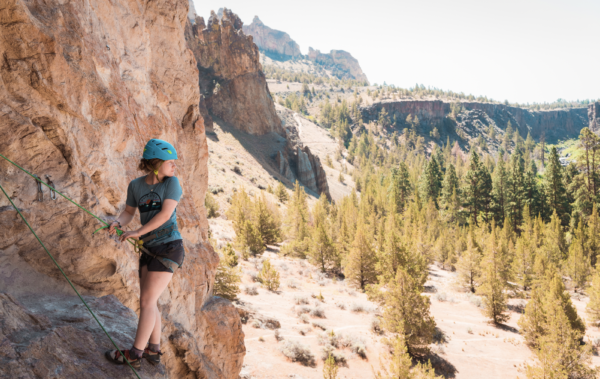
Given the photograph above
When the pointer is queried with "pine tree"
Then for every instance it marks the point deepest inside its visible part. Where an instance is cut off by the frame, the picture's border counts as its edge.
(554, 245)
(360, 265)
(281, 193)
(469, 265)
(499, 192)
(330, 368)
(400, 364)
(250, 238)
(266, 222)
(229, 255)
(593, 306)
(593, 236)
(406, 311)
(227, 280)
(578, 265)
(477, 190)
(322, 251)
(431, 182)
(492, 285)
(268, 276)
(516, 189)
(531, 191)
(555, 188)
(449, 193)
(400, 187)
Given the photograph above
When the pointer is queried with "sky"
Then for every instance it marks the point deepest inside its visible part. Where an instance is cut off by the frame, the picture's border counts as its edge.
(523, 51)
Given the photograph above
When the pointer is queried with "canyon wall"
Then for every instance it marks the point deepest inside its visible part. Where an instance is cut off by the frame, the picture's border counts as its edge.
(231, 78)
(553, 124)
(84, 85)
(276, 44)
(341, 63)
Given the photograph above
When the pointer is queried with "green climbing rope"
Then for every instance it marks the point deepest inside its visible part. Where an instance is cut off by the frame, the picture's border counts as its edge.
(57, 265)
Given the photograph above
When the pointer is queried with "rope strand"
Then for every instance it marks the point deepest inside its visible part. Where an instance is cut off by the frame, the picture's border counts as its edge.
(56, 263)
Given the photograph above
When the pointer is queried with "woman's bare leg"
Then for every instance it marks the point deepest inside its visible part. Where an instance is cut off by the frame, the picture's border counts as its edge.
(152, 285)
(155, 336)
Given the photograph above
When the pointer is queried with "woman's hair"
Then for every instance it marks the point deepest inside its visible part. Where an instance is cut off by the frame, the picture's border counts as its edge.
(149, 165)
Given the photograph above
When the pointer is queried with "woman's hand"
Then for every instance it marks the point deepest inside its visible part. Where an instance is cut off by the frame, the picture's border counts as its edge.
(130, 234)
(111, 228)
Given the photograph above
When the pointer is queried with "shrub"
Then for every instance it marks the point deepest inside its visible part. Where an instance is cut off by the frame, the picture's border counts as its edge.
(329, 351)
(304, 318)
(302, 310)
(440, 296)
(283, 267)
(212, 206)
(319, 324)
(328, 338)
(320, 297)
(330, 368)
(317, 312)
(299, 300)
(291, 283)
(376, 326)
(269, 277)
(340, 305)
(253, 275)
(261, 339)
(298, 352)
(257, 324)
(250, 290)
(356, 307)
(278, 335)
(322, 283)
(304, 331)
(470, 330)
(355, 343)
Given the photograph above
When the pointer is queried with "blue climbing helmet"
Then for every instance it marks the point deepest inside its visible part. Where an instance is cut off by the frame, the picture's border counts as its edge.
(157, 148)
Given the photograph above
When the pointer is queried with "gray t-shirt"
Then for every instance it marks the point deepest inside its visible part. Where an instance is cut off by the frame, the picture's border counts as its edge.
(149, 198)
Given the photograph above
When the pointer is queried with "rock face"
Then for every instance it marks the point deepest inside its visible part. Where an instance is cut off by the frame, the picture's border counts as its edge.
(594, 117)
(342, 64)
(275, 44)
(84, 85)
(231, 79)
(554, 124)
(296, 161)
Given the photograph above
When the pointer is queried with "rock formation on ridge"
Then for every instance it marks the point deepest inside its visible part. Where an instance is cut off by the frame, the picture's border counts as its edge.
(296, 161)
(275, 44)
(553, 124)
(342, 64)
(231, 79)
(84, 86)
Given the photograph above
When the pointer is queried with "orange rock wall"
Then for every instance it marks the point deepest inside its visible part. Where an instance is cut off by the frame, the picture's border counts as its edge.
(83, 86)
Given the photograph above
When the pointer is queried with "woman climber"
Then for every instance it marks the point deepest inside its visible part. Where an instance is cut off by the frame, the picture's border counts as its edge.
(156, 196)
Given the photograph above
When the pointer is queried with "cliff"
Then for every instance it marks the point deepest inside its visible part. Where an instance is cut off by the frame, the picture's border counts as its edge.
(296, 161)
(554, 124)
(84, 85)
(275, 44)
(231, 80)
(342, 64)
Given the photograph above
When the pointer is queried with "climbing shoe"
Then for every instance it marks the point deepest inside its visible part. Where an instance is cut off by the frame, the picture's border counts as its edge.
(115, 357)
(152, 357)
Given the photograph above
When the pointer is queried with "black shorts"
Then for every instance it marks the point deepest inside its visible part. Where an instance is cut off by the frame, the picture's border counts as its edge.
(172, 250)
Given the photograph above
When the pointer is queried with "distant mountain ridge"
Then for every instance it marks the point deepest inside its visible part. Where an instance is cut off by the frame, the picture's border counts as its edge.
(279, 46)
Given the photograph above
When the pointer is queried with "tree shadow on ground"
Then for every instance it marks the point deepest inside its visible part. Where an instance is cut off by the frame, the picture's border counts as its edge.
(441, 366)
(507, 328)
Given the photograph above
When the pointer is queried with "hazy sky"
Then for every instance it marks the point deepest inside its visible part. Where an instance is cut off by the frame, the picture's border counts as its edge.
(523, 51)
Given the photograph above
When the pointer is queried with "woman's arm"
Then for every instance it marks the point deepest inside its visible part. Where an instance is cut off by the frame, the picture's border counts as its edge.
(124, 219)
(161, 217)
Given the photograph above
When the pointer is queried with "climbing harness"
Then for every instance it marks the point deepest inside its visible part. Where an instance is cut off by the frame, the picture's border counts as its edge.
(119, 232)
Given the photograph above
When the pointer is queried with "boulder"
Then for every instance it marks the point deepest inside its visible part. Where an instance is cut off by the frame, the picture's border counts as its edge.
(84, 85)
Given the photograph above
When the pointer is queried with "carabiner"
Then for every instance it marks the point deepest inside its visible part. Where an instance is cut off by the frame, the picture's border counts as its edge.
(40, 193)
(52, 192)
